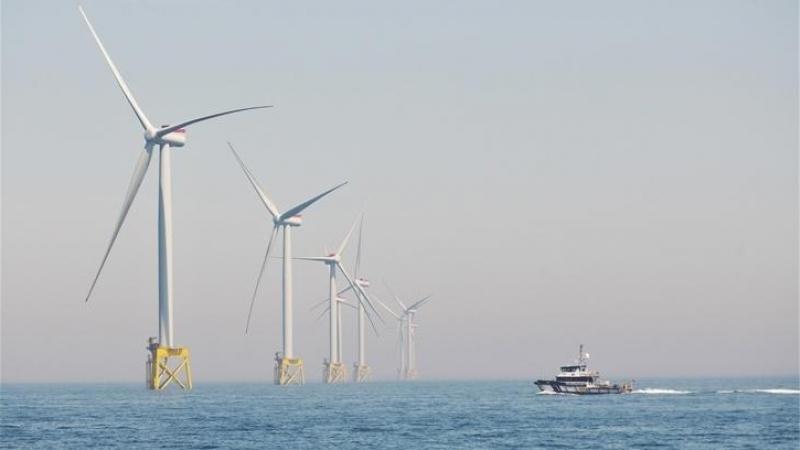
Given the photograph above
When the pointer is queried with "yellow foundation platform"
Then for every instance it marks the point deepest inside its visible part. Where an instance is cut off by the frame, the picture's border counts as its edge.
(168, 364)
(361, 373)
(288, 371)
(333, 372)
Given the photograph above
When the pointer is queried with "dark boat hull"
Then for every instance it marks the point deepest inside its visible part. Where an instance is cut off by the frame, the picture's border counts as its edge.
(566, 388)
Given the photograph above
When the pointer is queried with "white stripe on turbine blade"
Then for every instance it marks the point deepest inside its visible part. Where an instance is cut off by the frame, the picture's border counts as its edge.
(120, 81)
(299, 208)
(273, 210)
(164, 131)
(260, 275)
(346, 238)
(133, 187)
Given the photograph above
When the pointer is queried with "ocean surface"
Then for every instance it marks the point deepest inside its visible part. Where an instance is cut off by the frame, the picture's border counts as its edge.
(661, 413)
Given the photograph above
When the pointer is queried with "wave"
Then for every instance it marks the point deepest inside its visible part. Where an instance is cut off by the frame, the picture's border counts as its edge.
(762, 391)
(659, 391)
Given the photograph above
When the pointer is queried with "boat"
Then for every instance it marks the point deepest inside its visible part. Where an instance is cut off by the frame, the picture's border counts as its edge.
(577, 379)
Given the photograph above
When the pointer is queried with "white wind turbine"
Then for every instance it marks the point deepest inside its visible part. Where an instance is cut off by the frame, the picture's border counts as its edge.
(164, 139)
(361, 369)
(334, 371)
(407, 327)
(288, 369)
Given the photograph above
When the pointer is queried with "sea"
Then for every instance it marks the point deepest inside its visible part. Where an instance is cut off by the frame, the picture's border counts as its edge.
(740, 413)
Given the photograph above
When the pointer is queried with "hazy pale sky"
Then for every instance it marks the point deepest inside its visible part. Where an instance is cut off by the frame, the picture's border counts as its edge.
(621, 174)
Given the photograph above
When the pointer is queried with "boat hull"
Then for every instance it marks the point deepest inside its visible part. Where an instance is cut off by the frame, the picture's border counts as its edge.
(582, 389)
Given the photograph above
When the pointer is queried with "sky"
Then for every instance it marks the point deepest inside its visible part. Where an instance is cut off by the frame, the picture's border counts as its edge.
(620, 174)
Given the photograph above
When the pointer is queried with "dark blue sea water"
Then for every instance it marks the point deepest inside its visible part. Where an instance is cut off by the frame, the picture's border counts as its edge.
(665, 413)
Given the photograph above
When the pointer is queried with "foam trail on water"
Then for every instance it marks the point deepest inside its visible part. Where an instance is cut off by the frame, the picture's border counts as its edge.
(780, 391)
(763, 391)
(659, 391)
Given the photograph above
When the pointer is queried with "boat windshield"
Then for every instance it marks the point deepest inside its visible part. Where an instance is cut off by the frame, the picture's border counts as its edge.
(572, 368)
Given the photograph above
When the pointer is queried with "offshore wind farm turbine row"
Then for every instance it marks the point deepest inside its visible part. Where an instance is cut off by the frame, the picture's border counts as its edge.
(168, 362)
(288, 368)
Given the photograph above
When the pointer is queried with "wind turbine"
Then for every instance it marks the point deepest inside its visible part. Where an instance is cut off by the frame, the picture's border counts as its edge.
(361, 370)
(288, 369)
(408, 357)
(334, 371)
(164, 139)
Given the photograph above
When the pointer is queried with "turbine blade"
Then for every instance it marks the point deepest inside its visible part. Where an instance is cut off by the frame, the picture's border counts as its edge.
(171, 128)
(120, 81)
(344, 290)
(324, 301)
(299, 208)
(318, 304)
(346, 303)
(400, 340)
(260, 274)
(369, 318)
(418, 304)
(261, 194)
(362, 293)
(133, 187)
(319, 317)
(357, 267)
(346, 238)
(385, 307)
(396, 298)
(313, 258)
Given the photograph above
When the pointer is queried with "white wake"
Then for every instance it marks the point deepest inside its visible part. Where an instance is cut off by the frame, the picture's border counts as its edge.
(660, 391)
(763, 391)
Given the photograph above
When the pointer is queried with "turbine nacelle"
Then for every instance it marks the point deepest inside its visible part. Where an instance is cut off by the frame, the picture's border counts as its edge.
(330, 259)
(363, 282)
(175, 138)
(293, 221)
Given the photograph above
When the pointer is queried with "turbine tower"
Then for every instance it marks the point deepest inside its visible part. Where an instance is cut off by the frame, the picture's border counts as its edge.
(407, 327)
(288, 368)
(160, 372)
(333, 369)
